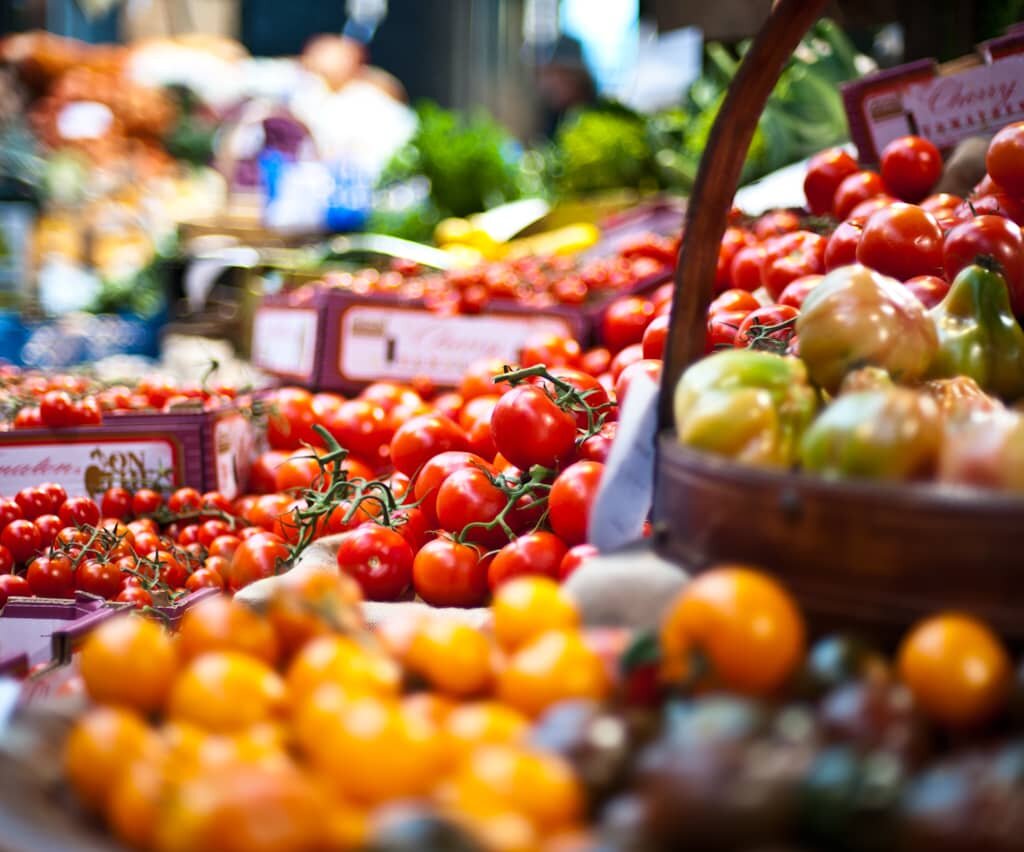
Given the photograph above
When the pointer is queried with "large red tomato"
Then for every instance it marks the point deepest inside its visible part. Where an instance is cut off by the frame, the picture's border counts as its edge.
(570, 500)
(825, 172)
(910, 167)
(379, 559)
(420, 439)
(1005, 158)
(537, 553)
(902, 241)
(447, 573)
(993, 239)
(529, 428)
(467, 497)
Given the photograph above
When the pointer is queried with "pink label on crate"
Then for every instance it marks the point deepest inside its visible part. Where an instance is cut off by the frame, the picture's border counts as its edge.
(284, 340)
(400, 344)
(232, 438)
(87, 467)
(950, 108)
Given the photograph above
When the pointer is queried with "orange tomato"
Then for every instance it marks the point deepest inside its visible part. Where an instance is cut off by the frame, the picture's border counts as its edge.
(745, 623)
(225, 691)
(482, 722)
(134, 803)
(452, 656)
(341, 660)
(222, 624)
(528, 606)
(314, 604)
(555, 666)
(129, 661)
(956, 668)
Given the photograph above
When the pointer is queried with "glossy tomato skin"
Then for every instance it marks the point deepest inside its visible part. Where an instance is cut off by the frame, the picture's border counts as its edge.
(98, 578)
(145, 501)
(747, 266)
(910, 167)
(435, 471)
(722, 329)
(379, 559)
(116, 503)
(553, 350)
(825, 172)
(796, 291)
(841, 249)
(22, 539)
(732, 241)
(529, 428)
(790, 257)
(650, 367)
(855, 188)
(467, 497)
(570, 499)
(420, 439)
(362, 427)
(929, 289)
(574, 558)
(257, 557)
(48, 526)
(6, 561)
(33, 502)
(15, 586)
(994, 238)
(291, 421)
(775, 223)
(447, 573)
(763, 318)
(51, 577)
(901, 241)
(538, 553)
(56, 409)
(80, 511)
(1005, 158)
(731, 300)
(624, 322)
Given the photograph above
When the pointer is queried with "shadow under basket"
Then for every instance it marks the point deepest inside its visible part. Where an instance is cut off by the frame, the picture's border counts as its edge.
(869, 556)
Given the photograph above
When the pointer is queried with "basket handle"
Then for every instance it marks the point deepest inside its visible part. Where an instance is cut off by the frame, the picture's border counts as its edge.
(719, 174)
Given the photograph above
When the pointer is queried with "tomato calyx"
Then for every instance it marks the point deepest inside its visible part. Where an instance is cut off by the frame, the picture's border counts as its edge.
(525, 492)
(772, 338)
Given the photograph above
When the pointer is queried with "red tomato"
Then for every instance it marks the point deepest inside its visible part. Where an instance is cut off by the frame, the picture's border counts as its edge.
(98, 578)
(86, 412)
(224, 545)
(135, 595)
(587, 386)
(1005, 158)
(15, 586)
(447, 573)
(411, 524)
(553, 350)
(28, 417)
(929, 289)
(757, 323)
(597, 447)
(841, 249)
(733, 300)
(775, 224)
(825, 172)
(116, 503)
(263, 472)
(51, 577)
(57, 496)
(377, 558)
(216, 501)
(435, 471)
(902, 241)
(169, 568)
(539, 553)
(529, 428)
(992, 237)
(6, 560)
(33, 502)
(747, 266)
(732, 241)
(796, 291)
(855, 188)
(649, 367)
(56, 409)
(655, 335)
(146, 501)
(204, 578)
(185, 500)
(910, 167)
(942, 206)
(323, 403)
(570, 499)
(722, 329)
(790, 257)
(21, 538)
(574, 559)
(421, 438)
(596, 361)
(993, 204)
(466, 497)
(207, 531)
(361, 427)
(48, 526)
(291, 420)
(298, 472)
(629, 355)
(624, 322)
(866, 208)
(9, 511)
(257, 557)
(80, 511)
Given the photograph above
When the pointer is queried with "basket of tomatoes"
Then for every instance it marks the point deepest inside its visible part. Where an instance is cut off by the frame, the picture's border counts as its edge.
(852, 422)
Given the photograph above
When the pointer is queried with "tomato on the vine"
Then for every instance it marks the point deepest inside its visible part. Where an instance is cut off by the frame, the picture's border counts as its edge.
(775, 323)
(624, 321)
(21, 538)
(901, 241)
(790, 257)
(538, 553)
(722, 329)
(98, 578)
(258, 556)
(994, 239)
(570, 499)
(910, 167)
(420, 439)
(49, 526)
(574, 559)
(825, 171)
(796, 291)
(468, 496)
(746, 267)
(51, 577)
(14, 585)
(80, 512)
(145, 501)
(529, 428)
(377, 558)
(447, 573)
(116, 503)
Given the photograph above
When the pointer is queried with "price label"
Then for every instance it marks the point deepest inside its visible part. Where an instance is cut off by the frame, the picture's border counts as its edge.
(284, 340)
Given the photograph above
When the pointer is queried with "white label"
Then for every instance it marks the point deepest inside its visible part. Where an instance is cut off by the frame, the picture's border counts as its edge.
(624, 498)
(232, 439)
(284, 340)
(84, 120)
(85, 467)
(389, 343)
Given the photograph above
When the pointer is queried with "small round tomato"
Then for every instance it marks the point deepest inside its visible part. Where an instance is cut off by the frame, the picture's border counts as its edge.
(629, 355)
(598, 446)
(656, 334)
(219, 623)
(825, 171)
(98, 578)
(1005, 158)
(790, 257)
(732, 300)
(361, 426)
(864, 210)
(28, 417)
(732, 241)
(205, 578)
(207, 531)
(796, 291)
(57, 496)
(956, 668)
(773, 326)
(747, 266)
(51, 577)
(552, 350)
(56, 409)
(454, 658)
(995, 239)
(722, 329)
(185, 500)
(33, 502)
(217, 502)
(257, 557)
(224, 545)
(448, 573)
(478, 379)
(14, 585)
(929, 289)
(169, 568)
(529, 428)
(775, 223)
(574, 559)
(6, 560)
(841, 249)
(571, 498)
(299, 471)
(650, 367)
(942, 206)
(910, 167)
(145, 501)
(435, 471)
(135, 595)
(901, 241)
(116, 503)
(855, 188)
(291, 420)
(49, 526)
(624, 321)
(468, 497)
(745, 623)
(538, 553)
(80, 512)
(21, 538)
(418, 440)
(377, 558)
(993, 204)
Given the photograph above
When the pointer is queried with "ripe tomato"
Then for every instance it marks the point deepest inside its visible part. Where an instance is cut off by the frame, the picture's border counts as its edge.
(570, 499)
(855, 188)
(48, 526)
(6, 560)
(411, 524)
(135, 595)
(291, 420)
(994, 204)
(929, 289)
(901, 241)
(257, 557)
(435, 471)
(206, 577)
(185, 500)
(224, 545)
(732, 300)
(790, 257)
(796, 291)
(217, 502)
(80, 512)
(588, 387)
(775, 223)
(723, 327)
(574, 558)
(14, 585)
(629, 355)
(56, 409)
(361, 426)
(262, 475)
(57, 496)
(650, 367)
(1005, 158)
(298, 472)
(467, 496)
(744, 622)
(825, 172)
(597, 447)
(116, 503)
(553, 350)
(655, 335)
(377, 558)
(478, 379)
(447, 573)
(910, 167)
(170, 569)
(956, 668)
(51, 577)
(28, 417)
(418, 440)
(756, 325)
(529, 428)
(732, 241)
(33, 502)
(145, 501)
(746, 267)
(86, 412)
(995, 239)
(624, 321)
(220, 623)
(22, 539)
(98, 578)
(841, 249)
(538, 553)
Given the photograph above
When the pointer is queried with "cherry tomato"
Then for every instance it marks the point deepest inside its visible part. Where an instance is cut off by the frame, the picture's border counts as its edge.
(135, 595)
(224, 545)
(864, 210)
(204, 578)
(28, 417)
(855, 188)
(994, 204)
(902, 241)
(732, 241)
(776, 223)
(48, 526)
(796, 291)
(910, 167)
(216, 501)
(257, 557)
(655, 335)
(733, 300)
(86, 412)
(56, 409)
(467, 496)
(116, 503)
(51, 577)
(756, 325)
(574, 558)
(790, 257)
(598, 446)
(553, 350)
(1005, 158)
(624, 321)
(529, 428)
(825, 172)
(747, 266)
(98, 578)
(291, 420)
(929, 289)
(33, 502)
(6, 560)
(169, 566)
(447, 573)
(723, 327)
(57, 496)
(841, 249)
(377, 558)
(15, 585)
(145, 501)
(185, 500)
(420, 439)
(629, 355)
(649, 367)
(435, 471)
(361, 426)
(80, 512)
(995, 239)
(21, 538)
(570, 499)
(588, 387)
(538, 553)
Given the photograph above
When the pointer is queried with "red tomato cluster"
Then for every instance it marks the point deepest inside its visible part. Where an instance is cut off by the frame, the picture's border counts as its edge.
(537, 282)
(35, 400)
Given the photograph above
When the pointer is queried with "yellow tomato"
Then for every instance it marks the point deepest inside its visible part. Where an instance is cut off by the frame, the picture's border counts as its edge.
(528, 606)
(484, 722)
(222, 624)
(453, 657)
(340, 660)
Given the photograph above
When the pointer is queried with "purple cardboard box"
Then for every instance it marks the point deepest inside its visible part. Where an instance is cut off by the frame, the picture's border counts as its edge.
(47, 629)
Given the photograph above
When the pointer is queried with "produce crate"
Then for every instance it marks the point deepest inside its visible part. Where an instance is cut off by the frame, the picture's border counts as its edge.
(341, 341)
(209, 450)
(40, 630)
(971, 96)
